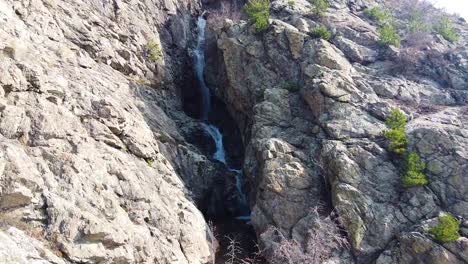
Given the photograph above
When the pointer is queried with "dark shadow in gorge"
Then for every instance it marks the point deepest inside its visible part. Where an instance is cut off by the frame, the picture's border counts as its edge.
(220, 206)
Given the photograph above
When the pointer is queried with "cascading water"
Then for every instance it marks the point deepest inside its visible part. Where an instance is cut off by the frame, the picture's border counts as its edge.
(213, 131)
(200, 67)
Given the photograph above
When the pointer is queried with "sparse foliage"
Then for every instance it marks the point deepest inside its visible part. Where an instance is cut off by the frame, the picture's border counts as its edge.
(388, 36)
(149, 161)
(447, 229)
(226, 11)
(319, 7)
(416, 23)
(258, 12)
(444, 27)
(414, 172)
(387, 26)
(154, 51)
(380, 16)
(321, 32)
(323, 239)
(233, 250)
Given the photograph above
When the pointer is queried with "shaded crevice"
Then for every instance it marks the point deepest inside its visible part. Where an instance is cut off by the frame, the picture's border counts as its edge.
(224, 204)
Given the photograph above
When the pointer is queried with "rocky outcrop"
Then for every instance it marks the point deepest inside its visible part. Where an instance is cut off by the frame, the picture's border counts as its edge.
(92, 160)
(97, 163)
(320, 139)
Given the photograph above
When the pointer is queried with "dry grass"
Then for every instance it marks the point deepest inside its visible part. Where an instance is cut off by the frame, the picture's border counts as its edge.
(321, 241)
(217, 17)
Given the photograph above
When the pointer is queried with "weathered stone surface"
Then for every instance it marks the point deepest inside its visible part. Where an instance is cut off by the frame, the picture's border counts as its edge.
(17, 247)
(331, 128)
(89, 156)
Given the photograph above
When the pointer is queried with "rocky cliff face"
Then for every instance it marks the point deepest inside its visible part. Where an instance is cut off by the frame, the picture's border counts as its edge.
(91, 164)
(313, 113)
(96, 164)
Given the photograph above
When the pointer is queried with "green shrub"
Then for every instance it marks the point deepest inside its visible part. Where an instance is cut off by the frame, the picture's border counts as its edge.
(388, 36)
(319, 7)
(414, 172)
(396, 134)
(154, 51)
(321, 32)
(258, 12)
(445, 28)
(398, 141)
(378, 15)
(447, 229)
(291, 3)
(396, 120)
(291, 86)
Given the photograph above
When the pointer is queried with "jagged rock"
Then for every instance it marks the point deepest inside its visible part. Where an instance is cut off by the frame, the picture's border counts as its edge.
(82, 156)
(19, 248)
(95, 157)
(333, 130)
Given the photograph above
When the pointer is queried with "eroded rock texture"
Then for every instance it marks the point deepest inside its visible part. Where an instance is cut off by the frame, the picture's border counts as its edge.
(321, 139)
(95, 164)
(89, 161)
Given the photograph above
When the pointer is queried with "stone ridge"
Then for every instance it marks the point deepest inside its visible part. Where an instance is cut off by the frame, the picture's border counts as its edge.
(92, 170)
(323, 142)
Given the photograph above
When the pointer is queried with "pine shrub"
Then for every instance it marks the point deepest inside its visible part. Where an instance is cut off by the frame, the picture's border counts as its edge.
(396, 120)
(447, 229)
(414, 172)
(258, 12)
(321, 32)
(398, 141)
(396, 134)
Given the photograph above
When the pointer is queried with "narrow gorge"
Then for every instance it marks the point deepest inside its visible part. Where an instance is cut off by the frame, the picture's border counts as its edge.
(233, 132)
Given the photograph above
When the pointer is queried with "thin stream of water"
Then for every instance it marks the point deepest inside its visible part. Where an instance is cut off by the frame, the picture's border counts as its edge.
(213, 131)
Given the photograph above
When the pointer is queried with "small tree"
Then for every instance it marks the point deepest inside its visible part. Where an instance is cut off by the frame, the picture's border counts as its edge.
(258, 12)
(396, 134)
(414, 172)
(398, 141)
(447, 229)
(396, 120)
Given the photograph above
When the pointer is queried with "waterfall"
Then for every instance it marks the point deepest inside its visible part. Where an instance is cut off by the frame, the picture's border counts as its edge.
(200, 68)
(213, 131)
